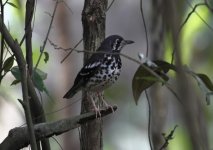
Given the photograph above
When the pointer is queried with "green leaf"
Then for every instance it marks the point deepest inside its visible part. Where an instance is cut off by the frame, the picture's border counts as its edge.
(11, 4)
(42, 74)
(205, 79)
(38, 81)
(8, 64)
(165, 66)
(139, 84)
(149, 78)
(16, 73)
(46, 57)
(204, 83)
(38, 78)
(15, 82)
(143, 79)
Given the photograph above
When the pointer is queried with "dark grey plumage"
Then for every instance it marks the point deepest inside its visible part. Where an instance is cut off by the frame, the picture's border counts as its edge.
(102, 69)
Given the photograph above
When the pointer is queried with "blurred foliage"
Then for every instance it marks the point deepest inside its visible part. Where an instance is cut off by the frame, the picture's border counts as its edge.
(143, 78)
(196, 45)
(38, 77)
(19, 9)
(181, 140)
(168, 45)
(191, 30)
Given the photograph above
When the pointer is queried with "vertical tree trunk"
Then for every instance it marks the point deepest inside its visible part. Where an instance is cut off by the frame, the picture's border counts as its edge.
(192, 109)
(35, 105)
(158, 102)
(93, 20)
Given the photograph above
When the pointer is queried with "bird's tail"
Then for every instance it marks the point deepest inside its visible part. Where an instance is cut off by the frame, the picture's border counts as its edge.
(71, 92)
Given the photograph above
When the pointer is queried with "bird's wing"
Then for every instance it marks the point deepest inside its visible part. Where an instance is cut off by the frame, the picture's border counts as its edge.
(88, 70)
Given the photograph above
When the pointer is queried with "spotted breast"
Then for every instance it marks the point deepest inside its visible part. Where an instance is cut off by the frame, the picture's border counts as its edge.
(107, 74)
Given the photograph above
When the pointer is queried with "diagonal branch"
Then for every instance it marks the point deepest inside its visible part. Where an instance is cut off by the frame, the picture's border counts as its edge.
(2, 42)
(28, 32)
(19, 137)
(13, 44)
(47, 35)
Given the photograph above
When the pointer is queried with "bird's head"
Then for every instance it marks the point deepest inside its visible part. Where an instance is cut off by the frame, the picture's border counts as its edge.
(115, 43)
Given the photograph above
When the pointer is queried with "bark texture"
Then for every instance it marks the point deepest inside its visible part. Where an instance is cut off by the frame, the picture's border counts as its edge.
(19, 137)
(35, 105)
(93, 20)
(158, 102)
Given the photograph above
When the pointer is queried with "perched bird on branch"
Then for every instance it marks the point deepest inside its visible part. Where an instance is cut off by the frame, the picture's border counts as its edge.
(101, 70)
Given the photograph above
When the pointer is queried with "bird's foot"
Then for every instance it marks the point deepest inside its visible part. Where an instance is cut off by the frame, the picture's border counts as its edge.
(108, 106)
(101, 96)
(96, 109)
(97, 112)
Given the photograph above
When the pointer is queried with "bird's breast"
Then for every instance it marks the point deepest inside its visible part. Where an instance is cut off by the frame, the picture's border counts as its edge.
(105, 76)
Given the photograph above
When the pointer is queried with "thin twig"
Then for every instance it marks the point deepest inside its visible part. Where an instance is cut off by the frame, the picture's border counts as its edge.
(168, 138)
(30, 6)
(29, 25)
(57, 142)
(2, 42)
(144, 24)
(110, 5)
(189, 15)
(14, 46)
(79, 42)
(121, 54)
(5, 2)
(147, 97)
(125, 56)
(190, 5)
(46, 38)
(174, 93)
(67, 6)
(54, 111)
(149, 120)
(184, 22)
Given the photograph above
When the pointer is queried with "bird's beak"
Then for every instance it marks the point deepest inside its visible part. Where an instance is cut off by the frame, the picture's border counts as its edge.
(129, 42)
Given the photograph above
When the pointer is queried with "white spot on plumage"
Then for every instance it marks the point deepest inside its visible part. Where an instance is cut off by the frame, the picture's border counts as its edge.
(115, 44)
(106, 76)
(109, 57)
(93, 65)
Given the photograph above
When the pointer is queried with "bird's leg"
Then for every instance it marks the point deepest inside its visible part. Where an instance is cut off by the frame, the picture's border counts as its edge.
(101, 97)
(96, 109)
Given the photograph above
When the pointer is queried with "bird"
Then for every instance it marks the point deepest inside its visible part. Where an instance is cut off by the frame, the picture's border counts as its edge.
(101, 70)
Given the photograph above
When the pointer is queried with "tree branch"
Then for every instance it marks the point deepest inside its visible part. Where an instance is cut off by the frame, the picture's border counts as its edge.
(28, 32)
(168, 138)
(30, 6)
(2, 42)
(19, 137)
(93, 22)
(13, 44)
(47, 35)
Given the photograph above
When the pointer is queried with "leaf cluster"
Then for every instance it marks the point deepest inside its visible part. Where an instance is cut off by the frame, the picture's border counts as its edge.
(143, 79)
